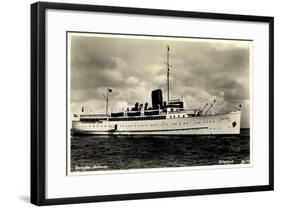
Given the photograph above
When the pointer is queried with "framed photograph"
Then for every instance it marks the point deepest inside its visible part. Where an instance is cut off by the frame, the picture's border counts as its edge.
(134, 103)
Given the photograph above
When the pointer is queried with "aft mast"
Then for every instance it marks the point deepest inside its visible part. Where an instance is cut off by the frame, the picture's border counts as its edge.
(108, 90)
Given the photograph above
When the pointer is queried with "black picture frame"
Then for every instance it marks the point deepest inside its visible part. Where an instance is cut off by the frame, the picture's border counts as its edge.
(38, 102)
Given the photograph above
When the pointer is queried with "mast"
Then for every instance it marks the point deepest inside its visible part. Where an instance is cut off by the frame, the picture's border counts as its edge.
(168, 76)
(106, 99)
(108, 90)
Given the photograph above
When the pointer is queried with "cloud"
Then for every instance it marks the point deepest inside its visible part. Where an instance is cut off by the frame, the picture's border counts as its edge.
(201, 70)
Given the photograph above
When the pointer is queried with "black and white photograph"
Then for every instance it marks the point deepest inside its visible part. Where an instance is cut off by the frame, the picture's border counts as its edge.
(154, 102)
(131, 103)
(135, 103)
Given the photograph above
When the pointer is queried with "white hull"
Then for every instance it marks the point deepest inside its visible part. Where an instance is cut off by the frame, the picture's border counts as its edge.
(220, 124)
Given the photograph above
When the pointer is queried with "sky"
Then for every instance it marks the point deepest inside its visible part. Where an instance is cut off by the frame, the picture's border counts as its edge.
(202, 70)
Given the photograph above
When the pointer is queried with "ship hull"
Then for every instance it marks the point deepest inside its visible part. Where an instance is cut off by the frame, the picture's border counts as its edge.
(175, 132)
(220, 124)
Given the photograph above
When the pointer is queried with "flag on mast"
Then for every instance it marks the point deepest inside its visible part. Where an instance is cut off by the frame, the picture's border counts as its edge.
(109, 90)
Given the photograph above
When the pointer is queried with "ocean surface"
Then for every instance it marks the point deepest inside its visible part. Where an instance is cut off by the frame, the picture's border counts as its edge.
(94, 153)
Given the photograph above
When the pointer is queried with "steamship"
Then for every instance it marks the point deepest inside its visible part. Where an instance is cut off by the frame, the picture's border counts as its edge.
(162, 118)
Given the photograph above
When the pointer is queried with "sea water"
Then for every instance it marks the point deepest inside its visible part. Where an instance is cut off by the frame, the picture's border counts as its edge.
(94, 153)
